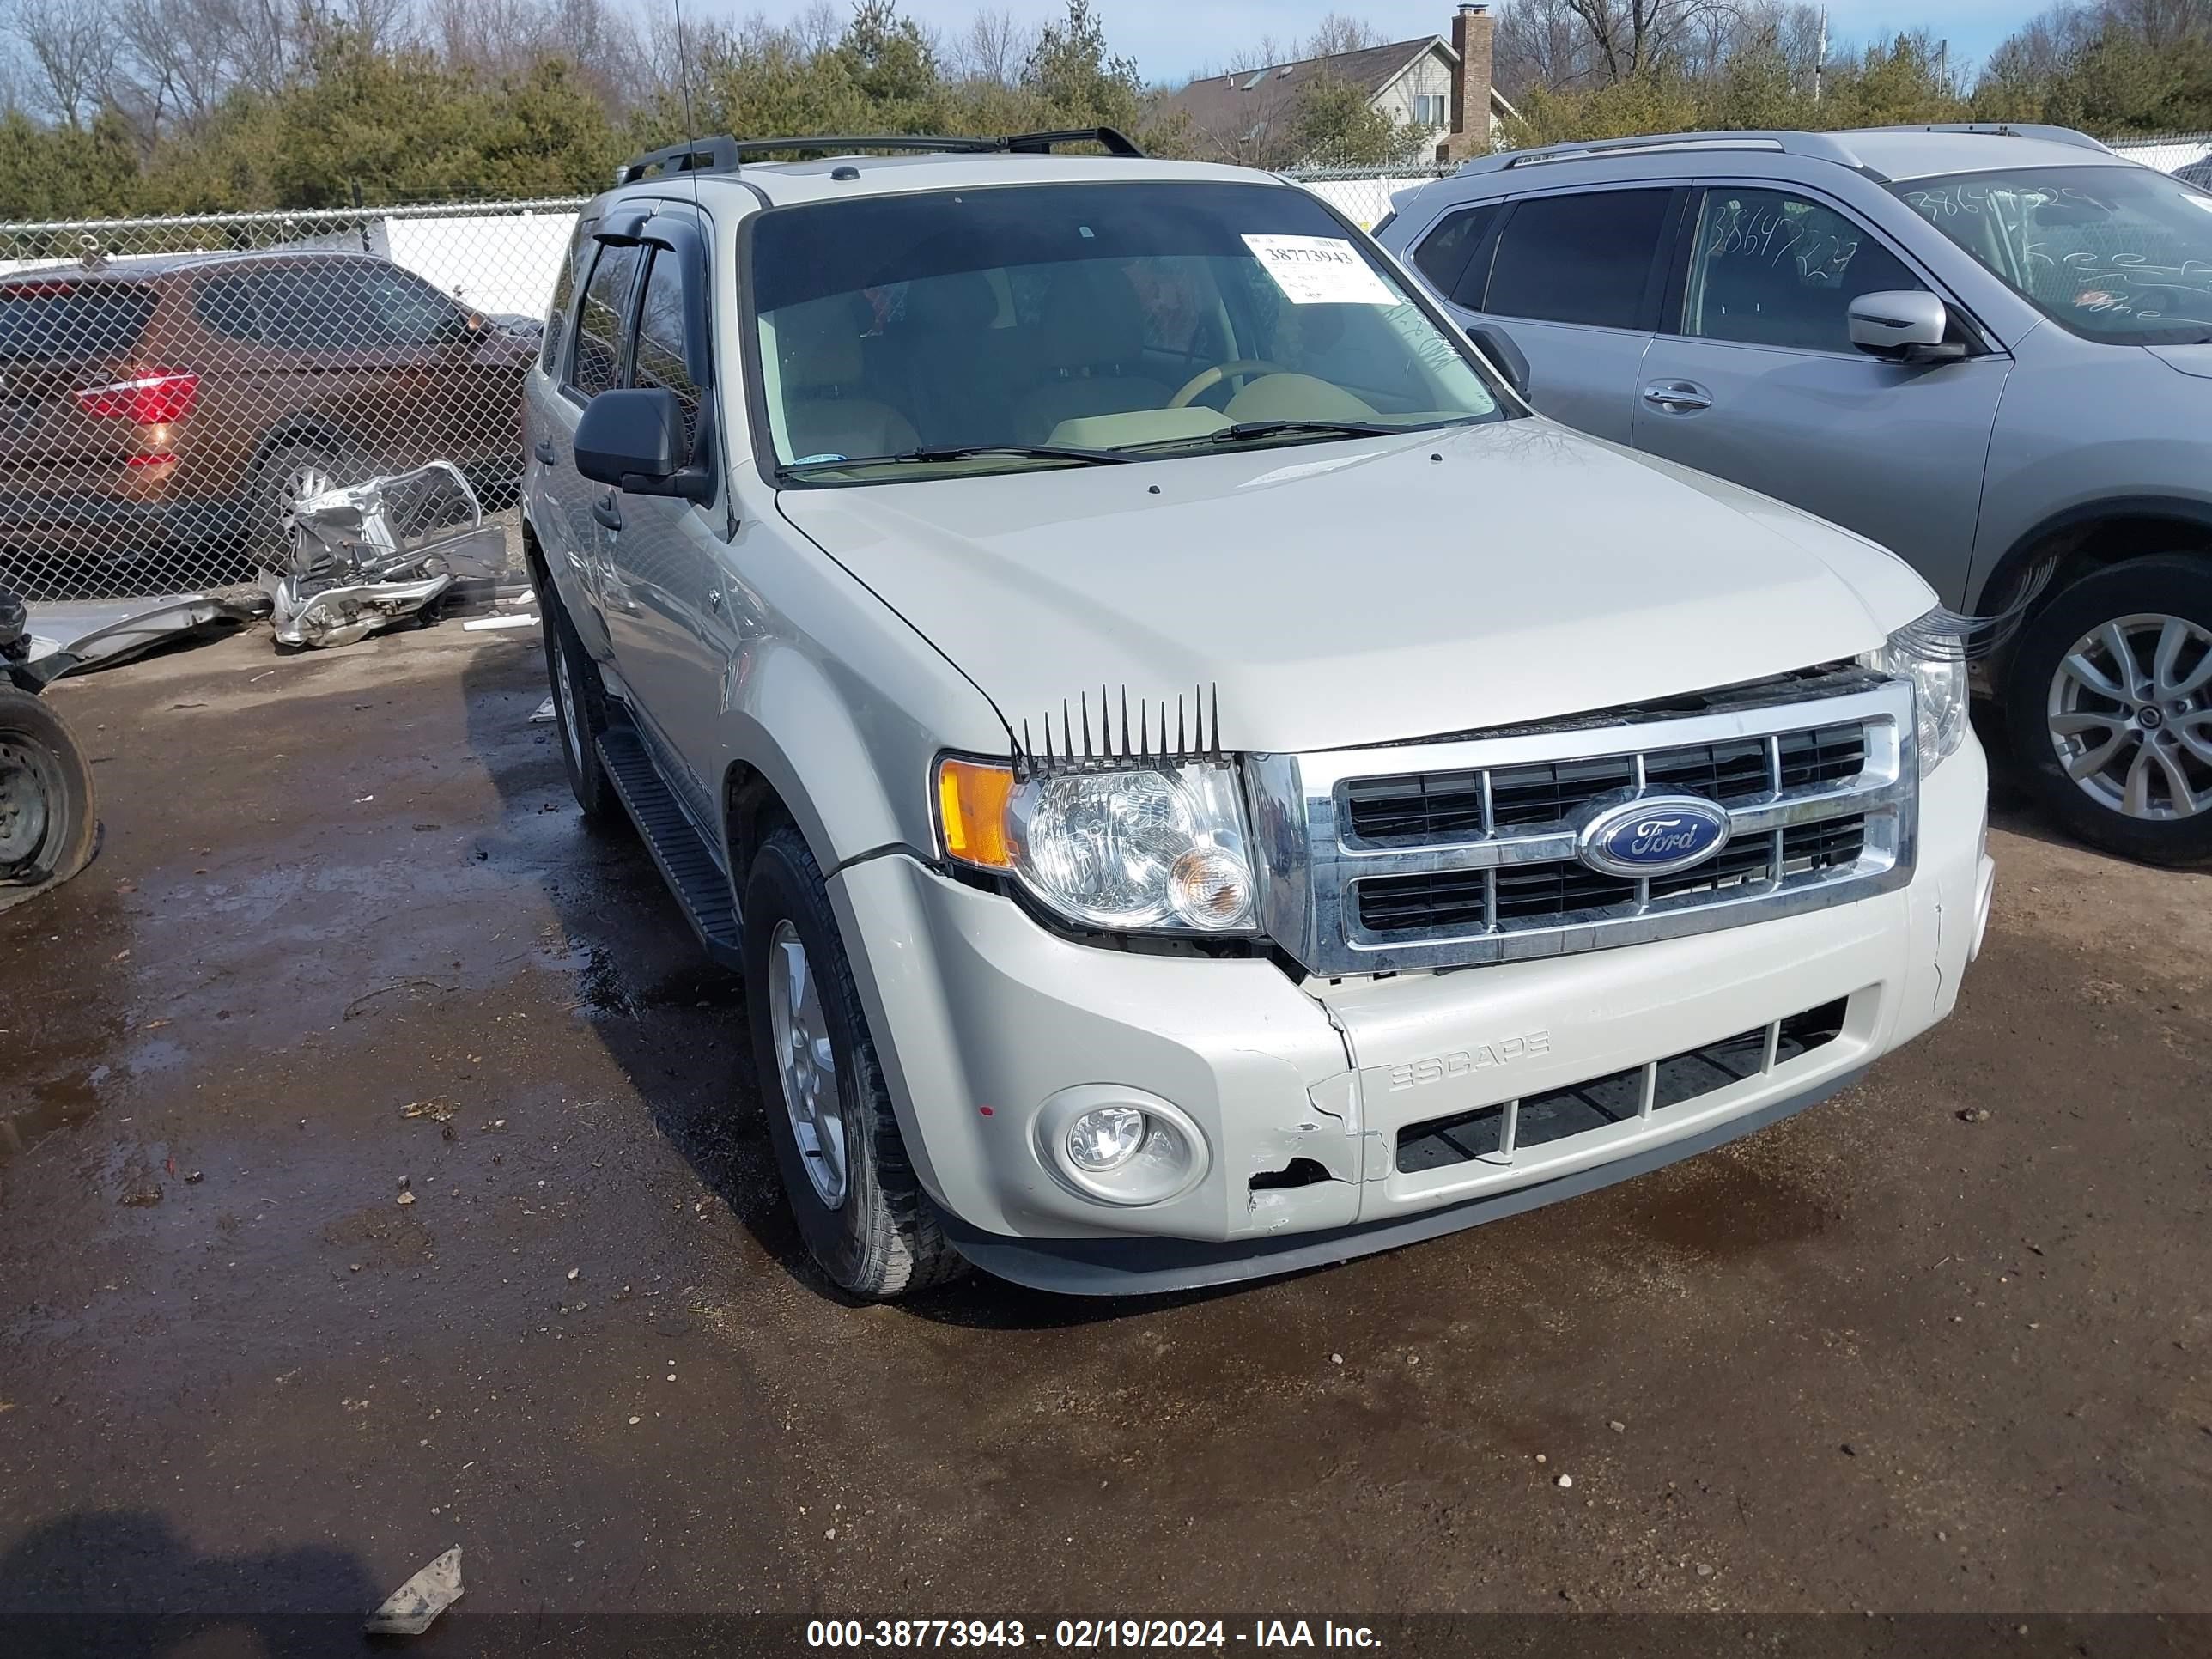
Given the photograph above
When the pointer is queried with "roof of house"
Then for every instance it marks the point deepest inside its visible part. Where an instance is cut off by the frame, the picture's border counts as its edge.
(1237, 107)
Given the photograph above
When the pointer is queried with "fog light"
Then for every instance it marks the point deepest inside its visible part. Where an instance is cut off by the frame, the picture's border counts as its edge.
(1105, 1137)
(1115, 1145)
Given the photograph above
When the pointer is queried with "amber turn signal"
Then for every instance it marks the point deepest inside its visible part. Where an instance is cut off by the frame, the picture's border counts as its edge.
(972, 799)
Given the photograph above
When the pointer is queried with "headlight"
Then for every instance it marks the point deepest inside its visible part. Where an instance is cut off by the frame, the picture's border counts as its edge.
(1156, 849)
(1935, 660)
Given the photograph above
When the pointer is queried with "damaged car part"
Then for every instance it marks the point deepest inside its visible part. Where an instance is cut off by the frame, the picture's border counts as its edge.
(368, 556)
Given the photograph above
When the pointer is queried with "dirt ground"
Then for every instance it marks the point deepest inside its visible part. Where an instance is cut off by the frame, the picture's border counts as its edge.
(1890, 1355)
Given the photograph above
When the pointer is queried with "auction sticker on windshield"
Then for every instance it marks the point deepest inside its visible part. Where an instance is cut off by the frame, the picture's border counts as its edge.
(1320, 271)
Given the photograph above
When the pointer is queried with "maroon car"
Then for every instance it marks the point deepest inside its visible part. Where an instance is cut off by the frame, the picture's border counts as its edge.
(158, 414)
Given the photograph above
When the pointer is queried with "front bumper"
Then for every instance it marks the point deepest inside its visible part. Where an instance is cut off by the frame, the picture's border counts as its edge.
(982, 1016)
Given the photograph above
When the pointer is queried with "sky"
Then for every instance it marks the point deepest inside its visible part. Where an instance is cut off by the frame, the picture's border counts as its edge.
(1170, 38)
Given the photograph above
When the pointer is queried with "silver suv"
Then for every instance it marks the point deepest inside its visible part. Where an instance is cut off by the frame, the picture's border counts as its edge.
(1200, 779)
(1988, 349)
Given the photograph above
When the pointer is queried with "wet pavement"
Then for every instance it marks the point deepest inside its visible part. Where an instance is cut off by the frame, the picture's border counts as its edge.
(381, 1170)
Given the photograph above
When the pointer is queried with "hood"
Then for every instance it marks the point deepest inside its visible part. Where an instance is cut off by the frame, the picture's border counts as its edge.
(2195, 360)
(1338, 594)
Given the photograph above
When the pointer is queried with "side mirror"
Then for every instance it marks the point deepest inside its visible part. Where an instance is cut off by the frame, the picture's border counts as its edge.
(1509, 360)
(1907, 325)
(633, 439)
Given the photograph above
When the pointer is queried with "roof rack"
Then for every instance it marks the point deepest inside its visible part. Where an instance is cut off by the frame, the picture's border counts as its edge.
(727, 154)
(2043, 130)
(692, 156)
(1821, 145)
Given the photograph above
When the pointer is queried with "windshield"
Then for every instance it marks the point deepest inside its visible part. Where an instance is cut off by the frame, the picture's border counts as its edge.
(1056, 325)
(2118, 254)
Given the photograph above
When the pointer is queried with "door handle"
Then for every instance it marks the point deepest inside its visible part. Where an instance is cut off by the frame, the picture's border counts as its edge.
(606, 512)
(1677, 396)
(546, 451)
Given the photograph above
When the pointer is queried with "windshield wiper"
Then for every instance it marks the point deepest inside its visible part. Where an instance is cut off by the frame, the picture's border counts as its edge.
(970, 451)
(1244, 430)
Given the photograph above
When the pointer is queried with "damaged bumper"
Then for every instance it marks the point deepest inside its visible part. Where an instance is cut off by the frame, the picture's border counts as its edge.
(1342, 1117)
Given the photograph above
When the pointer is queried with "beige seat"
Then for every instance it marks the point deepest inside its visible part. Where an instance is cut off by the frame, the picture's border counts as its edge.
(818, 349)
(960, 365)
(1092, 337)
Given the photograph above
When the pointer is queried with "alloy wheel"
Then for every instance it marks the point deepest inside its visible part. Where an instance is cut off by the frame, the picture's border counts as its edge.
(806, 1064)
(2131, 716)
(571, 710)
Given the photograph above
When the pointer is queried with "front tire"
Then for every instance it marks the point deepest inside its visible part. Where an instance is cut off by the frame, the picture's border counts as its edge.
(2108, 708)
(580, 710)
(48, 829)
(852, 1188)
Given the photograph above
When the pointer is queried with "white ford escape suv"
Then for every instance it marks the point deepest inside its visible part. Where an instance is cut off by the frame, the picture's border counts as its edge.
(1199, 779)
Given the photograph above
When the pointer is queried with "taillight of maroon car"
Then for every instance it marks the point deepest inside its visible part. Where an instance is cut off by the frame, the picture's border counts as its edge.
(153, 402)
(154, 399)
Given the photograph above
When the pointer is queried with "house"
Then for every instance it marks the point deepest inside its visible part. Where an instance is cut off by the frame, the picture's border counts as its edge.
(1429, 83)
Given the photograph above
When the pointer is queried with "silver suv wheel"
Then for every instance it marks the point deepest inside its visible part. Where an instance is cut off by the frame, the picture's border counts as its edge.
(806, 1064)
(574, 720)
(2131, 716)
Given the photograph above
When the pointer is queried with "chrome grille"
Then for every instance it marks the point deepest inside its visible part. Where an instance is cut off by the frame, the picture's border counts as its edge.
(1464, 851)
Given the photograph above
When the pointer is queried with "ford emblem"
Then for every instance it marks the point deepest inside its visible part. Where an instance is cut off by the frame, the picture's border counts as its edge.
(1653, 835)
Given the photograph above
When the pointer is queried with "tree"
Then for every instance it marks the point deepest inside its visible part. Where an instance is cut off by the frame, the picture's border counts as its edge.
(1628, 37)
(2125, 66)
(1334, 122)
(71, 46)
(1075, 79)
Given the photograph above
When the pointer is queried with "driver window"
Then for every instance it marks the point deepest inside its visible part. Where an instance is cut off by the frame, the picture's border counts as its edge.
(1772, 269)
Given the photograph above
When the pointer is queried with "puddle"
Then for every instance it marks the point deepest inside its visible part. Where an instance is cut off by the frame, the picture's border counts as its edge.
(60, 1105)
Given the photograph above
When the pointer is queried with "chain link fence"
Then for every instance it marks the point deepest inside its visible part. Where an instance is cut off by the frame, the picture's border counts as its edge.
(169, 386)
(1363, 196)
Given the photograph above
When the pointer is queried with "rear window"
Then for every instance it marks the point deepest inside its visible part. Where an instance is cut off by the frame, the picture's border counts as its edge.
(71, 318)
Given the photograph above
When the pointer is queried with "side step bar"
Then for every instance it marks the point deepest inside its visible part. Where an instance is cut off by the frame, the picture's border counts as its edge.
(685, 863)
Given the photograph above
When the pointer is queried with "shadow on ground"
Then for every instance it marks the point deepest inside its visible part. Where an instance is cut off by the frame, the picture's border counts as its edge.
(673, 1021)
(123, 1585)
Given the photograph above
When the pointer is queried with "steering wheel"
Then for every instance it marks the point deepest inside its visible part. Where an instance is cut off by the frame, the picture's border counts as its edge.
(1207, 378)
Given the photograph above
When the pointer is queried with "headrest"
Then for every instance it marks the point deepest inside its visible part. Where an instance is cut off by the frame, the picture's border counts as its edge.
(817, 344)
(963, 302)
(1091, 318)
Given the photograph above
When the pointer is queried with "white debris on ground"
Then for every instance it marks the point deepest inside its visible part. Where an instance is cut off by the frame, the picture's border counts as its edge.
(411, 1609)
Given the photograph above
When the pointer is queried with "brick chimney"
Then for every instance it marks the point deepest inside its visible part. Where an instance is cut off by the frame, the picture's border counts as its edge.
(1474, 30)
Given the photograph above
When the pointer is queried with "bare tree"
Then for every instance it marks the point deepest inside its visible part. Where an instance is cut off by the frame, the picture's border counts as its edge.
(1538, 43)
(991, 50)
(1626, 36)
(70, 46)
(1338, 31)
(817, 28)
